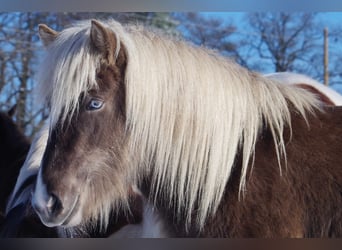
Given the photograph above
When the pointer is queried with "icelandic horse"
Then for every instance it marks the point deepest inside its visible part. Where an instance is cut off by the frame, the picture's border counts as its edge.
(216, 150)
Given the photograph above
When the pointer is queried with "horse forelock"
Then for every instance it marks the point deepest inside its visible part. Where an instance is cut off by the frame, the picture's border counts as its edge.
(189, 111)
(69, 70)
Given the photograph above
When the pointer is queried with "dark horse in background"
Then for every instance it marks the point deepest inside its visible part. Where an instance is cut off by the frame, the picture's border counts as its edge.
(216, 150)
(14, 146)
(13, 149)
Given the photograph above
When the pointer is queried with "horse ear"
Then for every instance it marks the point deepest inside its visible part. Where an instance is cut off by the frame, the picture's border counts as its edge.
(103, 40)
(46, 34)
(12, 111)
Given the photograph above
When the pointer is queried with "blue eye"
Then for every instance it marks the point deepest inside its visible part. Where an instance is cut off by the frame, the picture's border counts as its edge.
(94, 104)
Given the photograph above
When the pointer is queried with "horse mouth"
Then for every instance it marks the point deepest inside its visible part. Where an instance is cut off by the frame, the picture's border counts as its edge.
(68, 220)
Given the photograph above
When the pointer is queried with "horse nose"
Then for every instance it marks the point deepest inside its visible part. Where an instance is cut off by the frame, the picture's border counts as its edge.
(47, 208)
(51, 205)
(54, 205)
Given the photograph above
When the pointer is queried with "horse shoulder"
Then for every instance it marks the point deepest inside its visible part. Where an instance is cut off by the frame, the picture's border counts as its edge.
(295, 201)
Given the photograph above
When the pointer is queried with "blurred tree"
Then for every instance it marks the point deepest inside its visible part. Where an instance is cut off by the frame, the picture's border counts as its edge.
(17, 58)
(334, 57)
(163, 21)
(292, 42)
(214, 33)
(285, 40)
(271, 42)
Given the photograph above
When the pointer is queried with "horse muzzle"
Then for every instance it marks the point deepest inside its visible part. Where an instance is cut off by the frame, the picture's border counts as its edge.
(53, 210)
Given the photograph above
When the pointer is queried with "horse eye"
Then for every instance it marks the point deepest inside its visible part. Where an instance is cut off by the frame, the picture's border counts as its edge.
(94, 104)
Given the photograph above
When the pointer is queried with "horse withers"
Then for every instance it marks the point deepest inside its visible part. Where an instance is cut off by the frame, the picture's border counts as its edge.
(324, 93)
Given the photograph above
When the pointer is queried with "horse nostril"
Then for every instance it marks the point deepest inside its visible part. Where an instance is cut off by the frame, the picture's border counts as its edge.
(54, 205)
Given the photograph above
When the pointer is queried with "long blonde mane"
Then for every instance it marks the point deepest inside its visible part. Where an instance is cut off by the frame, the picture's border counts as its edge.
(189, 110)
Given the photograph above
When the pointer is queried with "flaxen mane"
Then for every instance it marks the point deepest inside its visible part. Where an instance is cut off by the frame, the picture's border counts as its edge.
(189, 111)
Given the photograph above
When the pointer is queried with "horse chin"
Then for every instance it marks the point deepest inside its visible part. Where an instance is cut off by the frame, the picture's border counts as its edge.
(74, 217)
(73, 220)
